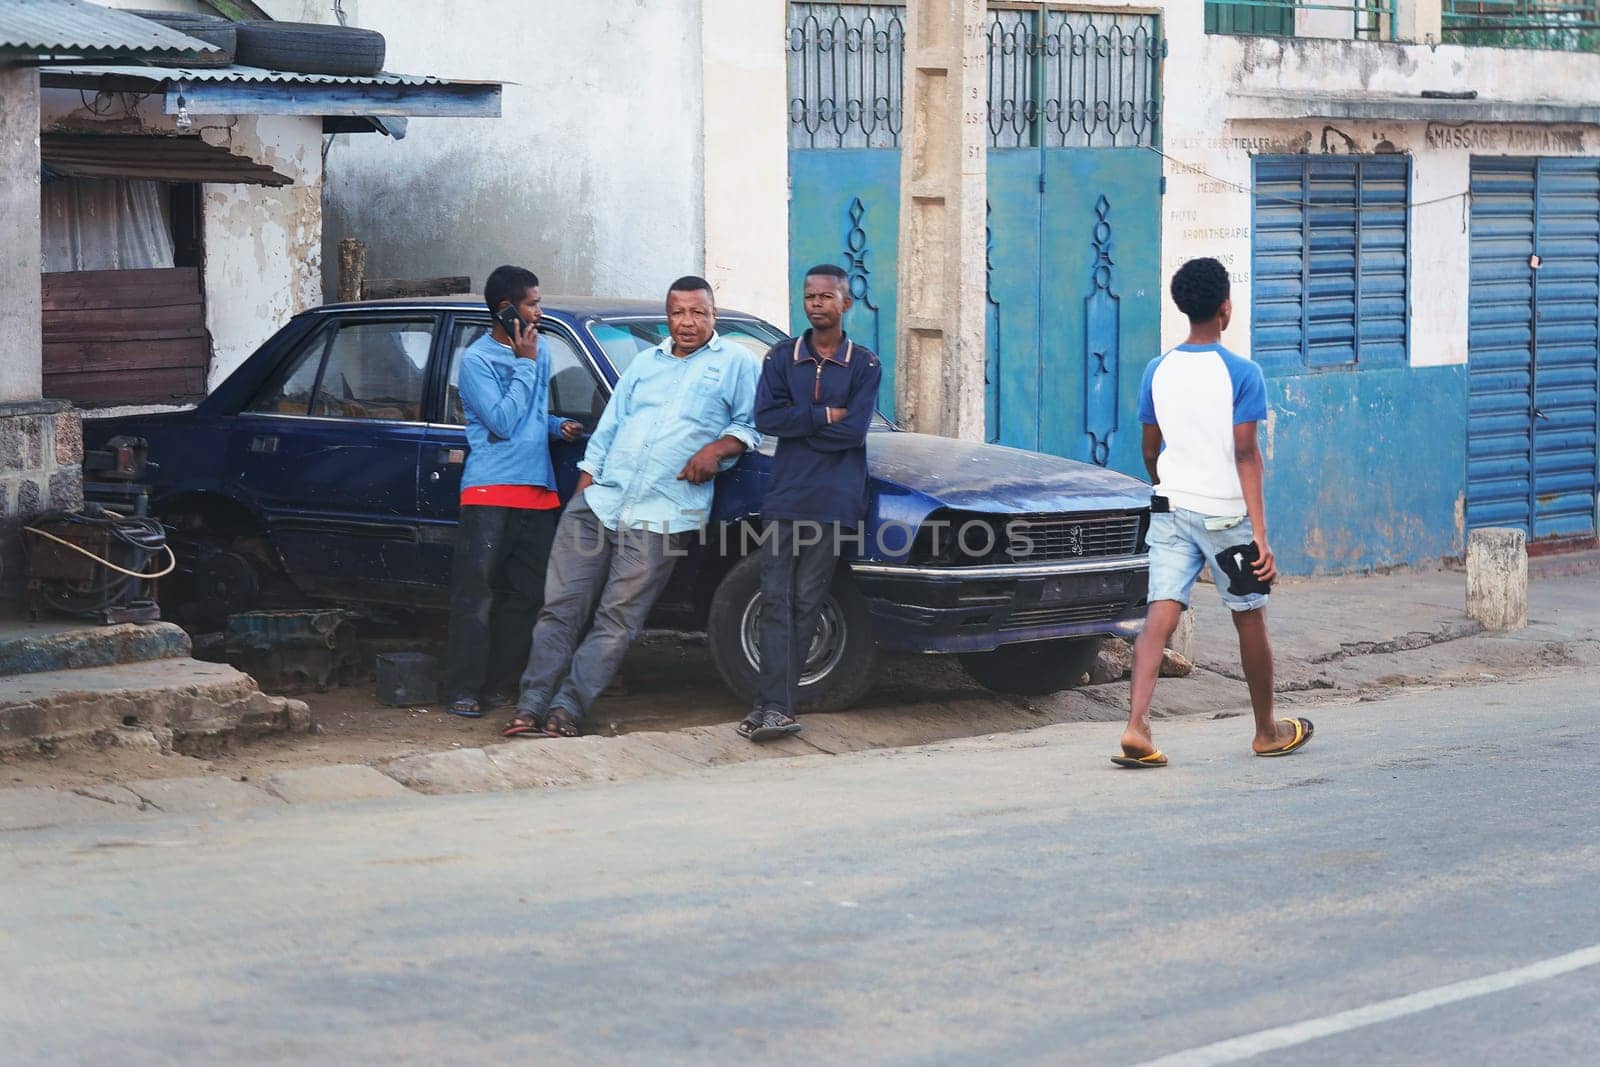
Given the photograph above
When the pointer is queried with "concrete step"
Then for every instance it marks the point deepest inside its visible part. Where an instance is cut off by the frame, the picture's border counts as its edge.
(37, 647)
(186, 705)
(1564, 564)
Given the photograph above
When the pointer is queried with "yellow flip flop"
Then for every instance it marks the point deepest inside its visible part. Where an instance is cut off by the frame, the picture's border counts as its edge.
(1302, 734)
(1154, 759)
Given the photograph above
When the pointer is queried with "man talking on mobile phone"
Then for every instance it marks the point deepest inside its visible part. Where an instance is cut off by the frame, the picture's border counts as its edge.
(509, 506)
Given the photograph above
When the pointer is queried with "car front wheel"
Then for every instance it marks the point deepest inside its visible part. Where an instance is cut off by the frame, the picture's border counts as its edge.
(840, 662)
(1035, 668)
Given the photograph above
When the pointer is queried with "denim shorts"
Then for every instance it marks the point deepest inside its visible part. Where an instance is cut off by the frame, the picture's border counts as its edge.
(1181, 546)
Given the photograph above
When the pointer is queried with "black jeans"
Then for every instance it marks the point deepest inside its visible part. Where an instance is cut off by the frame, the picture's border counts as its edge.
(794, 582)
(496, 590)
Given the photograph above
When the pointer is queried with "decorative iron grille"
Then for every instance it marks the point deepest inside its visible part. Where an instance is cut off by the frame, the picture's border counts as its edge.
(1564, 25)
(846, 69)
(1102, 80)
(1057, 78)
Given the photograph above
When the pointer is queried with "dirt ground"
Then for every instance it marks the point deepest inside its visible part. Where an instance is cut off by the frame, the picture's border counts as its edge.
(668, 682)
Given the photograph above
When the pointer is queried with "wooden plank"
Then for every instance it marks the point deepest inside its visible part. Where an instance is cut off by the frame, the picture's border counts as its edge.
(103, 289)
(393, 288)
(133, 356)
(124, 324)
(97, 389)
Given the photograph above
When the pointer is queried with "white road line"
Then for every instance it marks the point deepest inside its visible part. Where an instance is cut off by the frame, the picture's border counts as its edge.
(1242, 1048)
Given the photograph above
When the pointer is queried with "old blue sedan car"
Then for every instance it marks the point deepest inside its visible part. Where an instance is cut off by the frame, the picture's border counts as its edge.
(327, 468)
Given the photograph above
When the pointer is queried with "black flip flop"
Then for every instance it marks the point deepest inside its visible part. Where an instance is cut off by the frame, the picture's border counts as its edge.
(769, 726)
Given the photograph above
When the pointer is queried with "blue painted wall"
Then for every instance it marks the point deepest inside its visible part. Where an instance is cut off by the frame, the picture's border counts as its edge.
(1366, 468)
(844, 208)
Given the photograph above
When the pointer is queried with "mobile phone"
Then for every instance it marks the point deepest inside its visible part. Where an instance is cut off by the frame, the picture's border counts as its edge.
(1159, 505)
(508, 317)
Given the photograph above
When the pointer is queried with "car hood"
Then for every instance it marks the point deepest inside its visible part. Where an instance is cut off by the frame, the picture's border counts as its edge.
(994, 478)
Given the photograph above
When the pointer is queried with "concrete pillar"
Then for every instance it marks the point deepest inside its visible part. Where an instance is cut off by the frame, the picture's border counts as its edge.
(746, 109)
(1497, 578)
(1183, 637)
(939, 339)
(1419, 22)
(21, 369)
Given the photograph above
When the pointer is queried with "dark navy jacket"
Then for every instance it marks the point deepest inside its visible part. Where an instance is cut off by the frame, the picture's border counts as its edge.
(820, 472)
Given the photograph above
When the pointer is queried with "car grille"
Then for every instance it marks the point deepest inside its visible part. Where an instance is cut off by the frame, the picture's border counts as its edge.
(964, 539)
(1065, 615)
(1047, 538)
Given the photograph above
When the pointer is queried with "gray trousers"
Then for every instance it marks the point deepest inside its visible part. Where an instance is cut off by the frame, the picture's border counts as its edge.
(612, 577)
(794, 583)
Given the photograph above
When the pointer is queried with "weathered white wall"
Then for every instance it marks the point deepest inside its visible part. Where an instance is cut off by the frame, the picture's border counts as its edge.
(263, 246)
(1211, 136)
(21, 374)
(746, 201)
(593, 176)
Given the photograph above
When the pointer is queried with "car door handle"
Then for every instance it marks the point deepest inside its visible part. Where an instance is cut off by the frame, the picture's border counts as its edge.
(452, 457)
(264, 443)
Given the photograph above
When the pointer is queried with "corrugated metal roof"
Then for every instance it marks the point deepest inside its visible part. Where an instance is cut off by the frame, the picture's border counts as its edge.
(249, 75)
(77, 29)
(153, 158)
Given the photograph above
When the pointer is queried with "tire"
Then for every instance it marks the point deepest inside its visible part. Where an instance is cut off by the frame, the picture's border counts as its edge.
(1036, 668)
(310, 48)
(844, 655)
(211, 29)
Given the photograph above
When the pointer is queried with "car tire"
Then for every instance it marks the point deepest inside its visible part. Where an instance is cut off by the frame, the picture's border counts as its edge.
(1035, 668)
(212, 29)
(310, 48)
(845, 651)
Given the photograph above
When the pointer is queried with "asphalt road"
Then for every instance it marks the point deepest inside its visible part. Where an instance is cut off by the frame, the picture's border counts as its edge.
(1418, 886)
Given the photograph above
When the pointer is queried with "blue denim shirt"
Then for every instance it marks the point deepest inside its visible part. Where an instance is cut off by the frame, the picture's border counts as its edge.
(664, 410)
(509, 425)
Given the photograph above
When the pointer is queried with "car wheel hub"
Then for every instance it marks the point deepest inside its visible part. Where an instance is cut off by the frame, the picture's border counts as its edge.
(827, 644)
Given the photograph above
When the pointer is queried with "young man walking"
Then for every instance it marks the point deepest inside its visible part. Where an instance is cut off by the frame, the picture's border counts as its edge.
(816, 396)
(1200, 405)
(681, 413)
(508, 499)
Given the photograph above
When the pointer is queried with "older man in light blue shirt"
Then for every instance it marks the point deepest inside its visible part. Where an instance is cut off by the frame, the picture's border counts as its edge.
(680, 413)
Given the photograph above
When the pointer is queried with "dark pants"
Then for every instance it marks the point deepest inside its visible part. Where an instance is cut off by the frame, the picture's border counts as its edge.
(496, 589)
(612, 577)
(795, 575)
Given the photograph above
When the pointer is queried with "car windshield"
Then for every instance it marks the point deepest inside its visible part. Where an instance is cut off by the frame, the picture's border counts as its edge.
(624, 338)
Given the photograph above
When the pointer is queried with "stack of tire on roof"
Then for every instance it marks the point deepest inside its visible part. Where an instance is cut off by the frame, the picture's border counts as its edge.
(298, 47)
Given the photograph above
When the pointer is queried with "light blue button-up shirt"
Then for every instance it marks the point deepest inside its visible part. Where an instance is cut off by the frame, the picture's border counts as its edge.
(664, 410)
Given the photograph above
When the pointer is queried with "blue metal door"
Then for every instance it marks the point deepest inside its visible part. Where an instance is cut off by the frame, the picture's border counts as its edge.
(1533, 419)
(1073, 312)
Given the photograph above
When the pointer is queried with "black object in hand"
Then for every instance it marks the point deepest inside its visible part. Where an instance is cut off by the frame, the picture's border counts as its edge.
(509, 319)
(1238, 563)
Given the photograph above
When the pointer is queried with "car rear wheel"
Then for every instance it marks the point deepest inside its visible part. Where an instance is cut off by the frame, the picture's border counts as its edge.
(1035, 668)
(840, 662)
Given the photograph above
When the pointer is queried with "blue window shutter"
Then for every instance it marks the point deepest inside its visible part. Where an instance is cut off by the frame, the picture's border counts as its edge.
(1330, 261)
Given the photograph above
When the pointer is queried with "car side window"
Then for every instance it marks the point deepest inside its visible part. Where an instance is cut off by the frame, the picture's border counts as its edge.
(289, 392)
(375, 370)
(355, 370)
(574, 392)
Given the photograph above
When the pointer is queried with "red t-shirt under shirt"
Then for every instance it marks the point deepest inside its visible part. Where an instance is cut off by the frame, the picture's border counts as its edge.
(527, 497)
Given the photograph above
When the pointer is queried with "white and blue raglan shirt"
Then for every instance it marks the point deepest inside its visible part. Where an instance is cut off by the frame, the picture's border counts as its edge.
(1197, 394)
